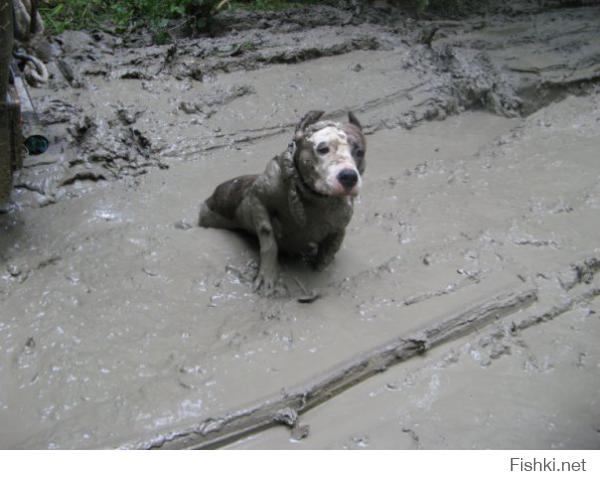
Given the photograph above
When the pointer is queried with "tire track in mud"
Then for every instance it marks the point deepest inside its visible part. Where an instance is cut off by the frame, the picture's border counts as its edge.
(251, 135)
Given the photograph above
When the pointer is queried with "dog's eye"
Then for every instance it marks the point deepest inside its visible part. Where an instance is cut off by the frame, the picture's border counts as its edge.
(322, 149)
(358, 152)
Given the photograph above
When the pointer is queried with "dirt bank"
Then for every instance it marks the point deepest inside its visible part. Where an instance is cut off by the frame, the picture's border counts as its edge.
(124, 325)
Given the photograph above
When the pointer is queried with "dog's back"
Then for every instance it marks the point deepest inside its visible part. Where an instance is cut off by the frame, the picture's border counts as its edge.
(219, 209)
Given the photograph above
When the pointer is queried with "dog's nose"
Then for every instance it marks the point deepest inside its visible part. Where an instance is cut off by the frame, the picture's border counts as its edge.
(348, 178)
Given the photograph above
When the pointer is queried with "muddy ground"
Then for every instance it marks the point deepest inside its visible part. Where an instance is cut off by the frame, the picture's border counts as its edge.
(461, 312)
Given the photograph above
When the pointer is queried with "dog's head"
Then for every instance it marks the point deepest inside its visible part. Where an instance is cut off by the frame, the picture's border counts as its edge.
(330, 156)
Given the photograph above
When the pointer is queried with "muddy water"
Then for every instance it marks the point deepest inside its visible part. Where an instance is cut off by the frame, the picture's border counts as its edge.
(125, 325)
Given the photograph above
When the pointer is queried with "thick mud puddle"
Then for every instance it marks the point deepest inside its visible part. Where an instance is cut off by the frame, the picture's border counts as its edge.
(123, 324)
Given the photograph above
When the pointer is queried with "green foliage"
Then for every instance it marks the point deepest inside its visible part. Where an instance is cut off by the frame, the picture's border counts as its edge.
(422, 5)
(61, 15)
(157, 15)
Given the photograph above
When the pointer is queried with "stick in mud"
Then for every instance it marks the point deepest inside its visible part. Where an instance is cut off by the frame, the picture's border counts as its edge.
(215, 432)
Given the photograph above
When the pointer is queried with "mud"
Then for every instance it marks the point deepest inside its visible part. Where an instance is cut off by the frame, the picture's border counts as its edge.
(394, 74)
(471, 262)
(464, 396)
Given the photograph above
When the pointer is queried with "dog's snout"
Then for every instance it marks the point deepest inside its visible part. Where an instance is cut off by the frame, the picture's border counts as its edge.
(348, 178)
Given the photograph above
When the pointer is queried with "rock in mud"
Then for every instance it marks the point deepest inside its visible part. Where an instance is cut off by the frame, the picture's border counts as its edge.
(129, 114)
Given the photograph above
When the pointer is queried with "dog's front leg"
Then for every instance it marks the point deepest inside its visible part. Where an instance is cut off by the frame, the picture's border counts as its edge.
(327, 249)
(268, 273)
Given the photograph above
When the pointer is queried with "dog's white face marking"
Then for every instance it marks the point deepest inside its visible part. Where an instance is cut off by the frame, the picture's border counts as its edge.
(335, 165)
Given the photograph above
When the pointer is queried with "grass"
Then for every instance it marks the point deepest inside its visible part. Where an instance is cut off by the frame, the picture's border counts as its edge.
(61, 15)
(156, 15)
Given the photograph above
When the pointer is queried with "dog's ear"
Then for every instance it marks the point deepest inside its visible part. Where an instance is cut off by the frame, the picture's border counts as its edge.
(311, 117)
(354, 121)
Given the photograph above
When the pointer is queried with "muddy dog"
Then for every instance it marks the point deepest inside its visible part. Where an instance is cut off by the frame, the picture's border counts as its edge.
(302, 202)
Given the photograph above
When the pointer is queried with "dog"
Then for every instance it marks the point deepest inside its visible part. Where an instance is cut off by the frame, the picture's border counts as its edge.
(302, 202)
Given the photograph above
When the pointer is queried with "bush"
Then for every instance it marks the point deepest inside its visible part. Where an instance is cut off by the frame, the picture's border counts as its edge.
(61, 15)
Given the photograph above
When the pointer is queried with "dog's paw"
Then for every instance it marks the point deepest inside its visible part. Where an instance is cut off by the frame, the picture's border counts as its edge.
(320, 266)
(265, 284)
(320, 262)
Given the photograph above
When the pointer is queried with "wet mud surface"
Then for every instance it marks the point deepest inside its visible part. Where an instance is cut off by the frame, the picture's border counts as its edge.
(469, 271)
